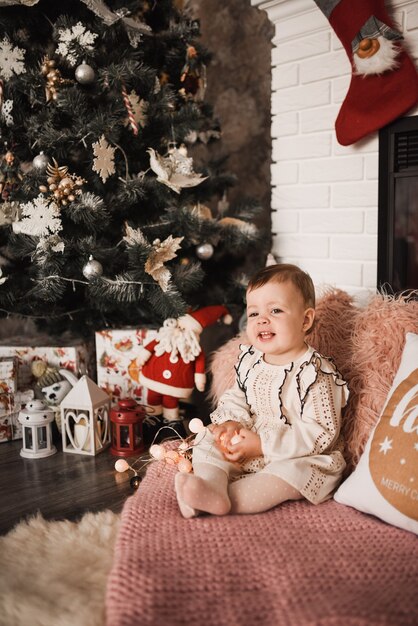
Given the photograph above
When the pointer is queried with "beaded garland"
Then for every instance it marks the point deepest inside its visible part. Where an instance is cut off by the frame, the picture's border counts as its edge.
(181, 457)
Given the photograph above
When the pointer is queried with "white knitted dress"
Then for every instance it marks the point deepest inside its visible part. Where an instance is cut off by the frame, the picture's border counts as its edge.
(296, 410)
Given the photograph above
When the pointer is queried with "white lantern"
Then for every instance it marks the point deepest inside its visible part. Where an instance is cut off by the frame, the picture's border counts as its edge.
(36, 419)
(85, 422)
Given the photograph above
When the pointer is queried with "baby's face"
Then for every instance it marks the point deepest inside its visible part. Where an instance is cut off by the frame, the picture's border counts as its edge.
(278, 321)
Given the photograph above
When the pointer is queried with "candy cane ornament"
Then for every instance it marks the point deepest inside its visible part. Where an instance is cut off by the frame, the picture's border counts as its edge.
(130, 110)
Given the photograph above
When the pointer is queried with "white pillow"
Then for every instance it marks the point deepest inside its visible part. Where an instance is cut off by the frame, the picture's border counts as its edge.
(385, 481)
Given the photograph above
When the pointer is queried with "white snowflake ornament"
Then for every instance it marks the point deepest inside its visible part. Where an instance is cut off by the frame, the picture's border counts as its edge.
(67, 37)
(104, 163)
(40, 218)
(11, 59)
(6, 112)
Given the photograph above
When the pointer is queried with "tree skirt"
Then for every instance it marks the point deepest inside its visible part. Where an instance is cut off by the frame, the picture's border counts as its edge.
(296, 565)
(54, 573)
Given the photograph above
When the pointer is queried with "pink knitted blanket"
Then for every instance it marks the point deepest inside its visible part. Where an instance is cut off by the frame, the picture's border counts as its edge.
(296, 565)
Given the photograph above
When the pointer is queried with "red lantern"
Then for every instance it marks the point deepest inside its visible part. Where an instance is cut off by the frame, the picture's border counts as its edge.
(126, 418)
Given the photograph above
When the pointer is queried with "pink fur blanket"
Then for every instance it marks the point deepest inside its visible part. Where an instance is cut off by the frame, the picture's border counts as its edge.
(296, 565)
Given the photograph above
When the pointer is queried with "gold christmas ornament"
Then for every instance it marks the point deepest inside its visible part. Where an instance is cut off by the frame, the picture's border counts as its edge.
(53, 78)
(245, 227)
(201, 211)
(63, 187)
(159, 253)
(162, 252)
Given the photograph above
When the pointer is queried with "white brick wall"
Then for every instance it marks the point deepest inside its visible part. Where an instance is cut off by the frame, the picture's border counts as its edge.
(324, 195)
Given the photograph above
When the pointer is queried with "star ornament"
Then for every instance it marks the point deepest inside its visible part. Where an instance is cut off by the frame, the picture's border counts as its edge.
(386, 445)
(176, 170)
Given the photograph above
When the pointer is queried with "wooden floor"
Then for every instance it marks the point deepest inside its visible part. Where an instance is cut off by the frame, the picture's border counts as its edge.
(62, 486)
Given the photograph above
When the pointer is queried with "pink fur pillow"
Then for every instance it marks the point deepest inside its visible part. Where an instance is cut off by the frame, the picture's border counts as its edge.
(377, 344)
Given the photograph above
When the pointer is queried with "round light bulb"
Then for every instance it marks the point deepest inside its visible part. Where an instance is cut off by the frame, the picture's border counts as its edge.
(196, 425)
(157, 452)
(121, 465)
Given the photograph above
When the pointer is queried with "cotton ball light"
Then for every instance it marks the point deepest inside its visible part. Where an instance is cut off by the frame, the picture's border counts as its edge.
(157, 452)
(121, 465)
(172, 457)
(196, 425)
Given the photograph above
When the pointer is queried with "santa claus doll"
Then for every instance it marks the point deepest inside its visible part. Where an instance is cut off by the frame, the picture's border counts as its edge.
(174, 363)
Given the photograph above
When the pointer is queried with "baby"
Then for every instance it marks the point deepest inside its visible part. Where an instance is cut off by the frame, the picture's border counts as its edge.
(275, 435)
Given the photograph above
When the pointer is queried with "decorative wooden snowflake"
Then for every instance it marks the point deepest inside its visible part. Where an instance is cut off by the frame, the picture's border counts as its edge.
(67, 37)
(40, 218)
(11, 59)
(104, 163)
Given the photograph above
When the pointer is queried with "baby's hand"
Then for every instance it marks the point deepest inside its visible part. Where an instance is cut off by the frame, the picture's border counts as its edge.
(244, 446)
(223, 433)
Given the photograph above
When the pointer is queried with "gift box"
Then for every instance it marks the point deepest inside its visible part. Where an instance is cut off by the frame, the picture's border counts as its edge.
(6, 403)
(72, 357)
(8, 374)
(10, 427)
(117, 368)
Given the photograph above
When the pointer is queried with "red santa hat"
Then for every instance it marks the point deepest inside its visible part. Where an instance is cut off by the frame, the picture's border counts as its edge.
(197, 320)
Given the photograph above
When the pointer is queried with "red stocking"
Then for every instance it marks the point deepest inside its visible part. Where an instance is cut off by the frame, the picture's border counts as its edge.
(384, 84)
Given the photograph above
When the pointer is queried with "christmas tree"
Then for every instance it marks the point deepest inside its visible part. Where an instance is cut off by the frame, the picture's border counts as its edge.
(105, 218)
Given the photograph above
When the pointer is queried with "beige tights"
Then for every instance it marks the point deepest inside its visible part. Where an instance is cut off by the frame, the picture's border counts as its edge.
(205, 490)
(256, 493)
(208, 490)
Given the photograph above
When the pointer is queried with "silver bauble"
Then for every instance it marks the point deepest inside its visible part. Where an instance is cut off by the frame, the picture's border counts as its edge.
(40, 162)
(92, 269)
(204, 251)
(84, 74)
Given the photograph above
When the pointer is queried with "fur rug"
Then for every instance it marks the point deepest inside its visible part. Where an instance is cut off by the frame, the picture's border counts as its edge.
(55, 573)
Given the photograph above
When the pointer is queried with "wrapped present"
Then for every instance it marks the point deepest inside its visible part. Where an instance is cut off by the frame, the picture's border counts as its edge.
(6, 403)
(71, 357)
(8, 374)
(117, 367)
(10, 427)
(6, 428)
